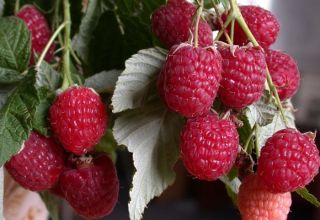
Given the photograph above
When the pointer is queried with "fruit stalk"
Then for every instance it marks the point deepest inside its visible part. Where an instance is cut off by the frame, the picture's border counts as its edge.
(196, 29)
(53, 37)
(67, 80)
(236, 13)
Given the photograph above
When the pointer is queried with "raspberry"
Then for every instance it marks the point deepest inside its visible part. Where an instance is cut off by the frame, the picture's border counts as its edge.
(243, 76)
(91, 188)
(172, 23)
(38, 165)
(40, 31)
(289, 160)
(256, 203)
(209, 146)
(78, 118)
(284, 72)
(191, 78)
(262, 23)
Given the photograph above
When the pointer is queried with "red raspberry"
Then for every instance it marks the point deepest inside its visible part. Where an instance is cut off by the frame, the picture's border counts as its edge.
(191, 78)
(243, 76)
(92, 188)
(285, 73)
(262, 23)
(289, 160)
(40, 31)
(172, 23)
(256, 203)
(38, 165)
(78, 119)
(209, 146)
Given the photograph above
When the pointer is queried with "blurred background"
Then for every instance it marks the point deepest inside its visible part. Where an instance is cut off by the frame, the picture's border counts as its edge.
(189, 199)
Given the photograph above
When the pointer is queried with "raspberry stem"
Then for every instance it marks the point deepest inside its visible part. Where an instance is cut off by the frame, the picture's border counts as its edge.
(236, 13)
(230, 41)
(53, 37)
(67, 80)
(196, 29)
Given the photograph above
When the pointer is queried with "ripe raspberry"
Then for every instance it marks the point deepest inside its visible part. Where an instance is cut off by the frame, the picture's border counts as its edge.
(92, 189)
(284, 72)
(243, 76)
(38, 165)
(256, 203)
(40, 31)
(191, 77)
(289, 160)
(262, 23)
(172, 23)
(78, 118)
(209, 146)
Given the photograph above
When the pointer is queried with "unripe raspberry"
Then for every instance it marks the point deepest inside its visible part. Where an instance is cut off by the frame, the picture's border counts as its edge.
(190, 79)
(172, 24)
(243, 76)
(256, 203)
(209, 146)
(284, 72)
(91, 188)
(38, 165)
(289, 160)
(40, 31)
(78, 118)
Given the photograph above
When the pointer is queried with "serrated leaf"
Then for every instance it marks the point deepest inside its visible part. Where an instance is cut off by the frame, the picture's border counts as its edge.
(104, 81)
(81, 40)
(16, 118)
(14, 49)
(4, 92)
(47, 77)
(151, 133)
(305, 194)
(261, 112)
(52, 204)
(140, 74)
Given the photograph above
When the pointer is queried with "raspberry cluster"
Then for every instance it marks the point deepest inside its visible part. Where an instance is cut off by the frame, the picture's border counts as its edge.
(192, 78)
(90, 184)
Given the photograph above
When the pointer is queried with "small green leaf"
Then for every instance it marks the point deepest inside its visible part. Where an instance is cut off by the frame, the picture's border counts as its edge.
(52, 204)
(47, 77)
(261, 112)
(15, 44)
(104, 81)
(81, 40)
(137, 80)
(232, 187)
(305, 194)
(108, 145)
(151, 133)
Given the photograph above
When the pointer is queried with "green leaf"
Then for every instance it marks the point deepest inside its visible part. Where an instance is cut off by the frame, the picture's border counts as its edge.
(104, 81)
(52, 204)
(15, 46)
(47, 77)
(81, 40)
(261, 112)
(305, 194)
(151, 133)
(4, 92)
(137, 80)
(16, 118)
